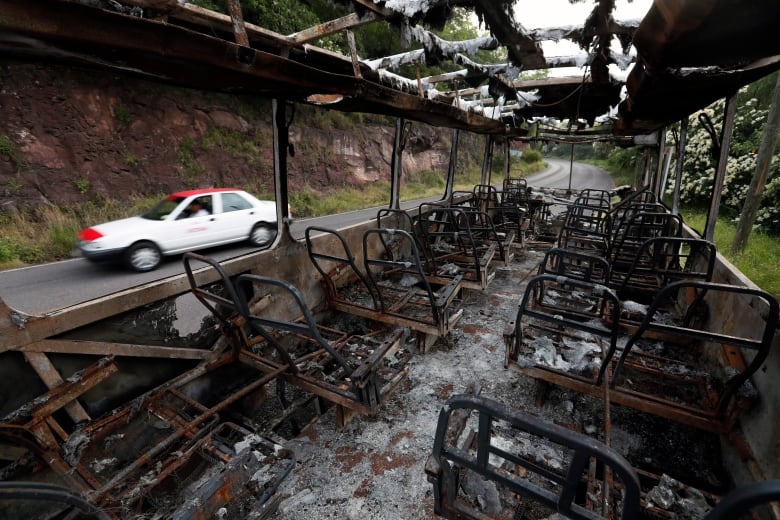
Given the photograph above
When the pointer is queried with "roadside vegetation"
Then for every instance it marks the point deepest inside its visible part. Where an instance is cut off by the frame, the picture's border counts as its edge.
(49, 232)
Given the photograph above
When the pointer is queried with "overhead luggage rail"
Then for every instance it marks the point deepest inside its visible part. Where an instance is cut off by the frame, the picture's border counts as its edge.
(392, 287)
(526, 460)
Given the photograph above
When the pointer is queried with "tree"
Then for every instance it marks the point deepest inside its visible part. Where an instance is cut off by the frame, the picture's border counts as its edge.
(761, 174)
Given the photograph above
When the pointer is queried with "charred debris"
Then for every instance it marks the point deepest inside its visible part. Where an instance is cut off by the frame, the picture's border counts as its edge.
(500, 353)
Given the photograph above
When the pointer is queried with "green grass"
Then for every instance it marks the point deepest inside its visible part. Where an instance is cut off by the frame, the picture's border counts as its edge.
(760, 261)
(49, 232)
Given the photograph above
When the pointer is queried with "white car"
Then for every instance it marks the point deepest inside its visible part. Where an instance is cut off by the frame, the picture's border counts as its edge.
(183, 221)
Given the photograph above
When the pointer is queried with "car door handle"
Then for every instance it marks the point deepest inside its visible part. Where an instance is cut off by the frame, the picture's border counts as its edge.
(212, 219)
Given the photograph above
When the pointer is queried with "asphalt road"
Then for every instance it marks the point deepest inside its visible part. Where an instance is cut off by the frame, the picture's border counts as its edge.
(44, 288)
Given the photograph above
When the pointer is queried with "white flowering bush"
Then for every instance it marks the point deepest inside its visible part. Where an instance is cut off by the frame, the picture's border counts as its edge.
(699, 164)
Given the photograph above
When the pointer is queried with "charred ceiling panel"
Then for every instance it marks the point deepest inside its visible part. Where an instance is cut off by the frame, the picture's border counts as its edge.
(702, 33)
(689, 54)
(82, 35)
(567, 98)
(692, 53)
(523, 49)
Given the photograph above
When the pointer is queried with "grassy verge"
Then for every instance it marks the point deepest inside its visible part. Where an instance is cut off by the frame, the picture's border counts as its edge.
(49, 232)
(759, 260)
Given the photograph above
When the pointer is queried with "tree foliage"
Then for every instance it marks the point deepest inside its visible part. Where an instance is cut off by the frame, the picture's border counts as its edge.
(699, 164)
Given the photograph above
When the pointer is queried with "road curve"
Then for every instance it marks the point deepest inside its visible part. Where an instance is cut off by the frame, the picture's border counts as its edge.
(45, 288)
(583, 176)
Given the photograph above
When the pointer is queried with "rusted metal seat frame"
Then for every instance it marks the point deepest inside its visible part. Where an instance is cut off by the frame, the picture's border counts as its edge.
(717, 416)
(403, 220)
(353, 388)
(344, 274)
(357, 391)
(448, 461)
(639, 199)
(420, 307)
(446, 233)
(661, 261)
(169, 449)
(541, 220)
(561, 323)
(574, 264)
(594, 197)
(34, 427)
(507, 212)
(225, 487)
(486, 233)
(586, 229)
(397, 301)
(41, 491)
(486, 197)
(230, 309)
(629, 236)
(515, 191)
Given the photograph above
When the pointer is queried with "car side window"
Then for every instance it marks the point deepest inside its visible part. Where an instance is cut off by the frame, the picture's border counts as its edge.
(234, 202)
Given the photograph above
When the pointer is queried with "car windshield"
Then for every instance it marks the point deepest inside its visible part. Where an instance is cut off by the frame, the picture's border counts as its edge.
(162, 209)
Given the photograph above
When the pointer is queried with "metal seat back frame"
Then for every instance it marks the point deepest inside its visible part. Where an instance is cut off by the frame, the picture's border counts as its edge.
(574, 264)
(446, 233)
(448, 461)
(400, 301)
(716, 417)
(534, 313)
(663, 260)
(354, 386)
(335, 283)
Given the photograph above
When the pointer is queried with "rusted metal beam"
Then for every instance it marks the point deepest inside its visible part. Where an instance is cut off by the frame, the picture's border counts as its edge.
(52, 378)
(75, 386)
(316, 32)
(237, 22)
(106, 348)
(192, 425)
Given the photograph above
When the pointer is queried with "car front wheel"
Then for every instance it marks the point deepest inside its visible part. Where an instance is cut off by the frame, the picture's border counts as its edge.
(143, 256)
(262, 234)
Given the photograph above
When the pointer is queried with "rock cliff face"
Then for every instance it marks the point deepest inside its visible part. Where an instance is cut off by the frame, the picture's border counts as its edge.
(68, 135)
